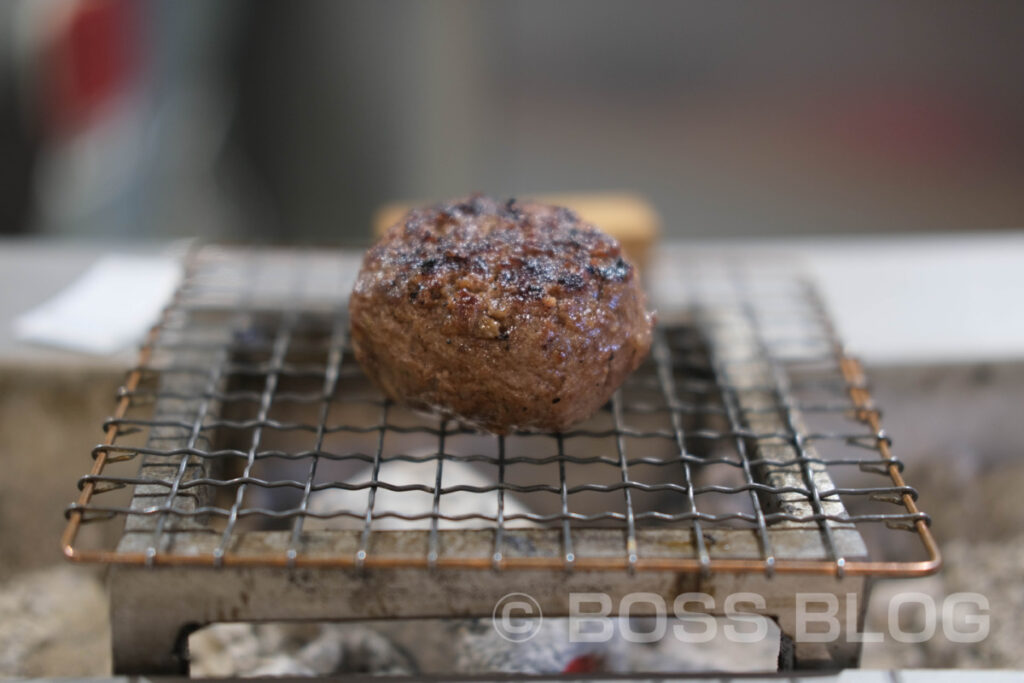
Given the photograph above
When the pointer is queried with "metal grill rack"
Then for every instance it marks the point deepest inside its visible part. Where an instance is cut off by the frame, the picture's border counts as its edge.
(247, 443)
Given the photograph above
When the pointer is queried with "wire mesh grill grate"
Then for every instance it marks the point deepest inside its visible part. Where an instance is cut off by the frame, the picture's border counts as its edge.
(247, 434)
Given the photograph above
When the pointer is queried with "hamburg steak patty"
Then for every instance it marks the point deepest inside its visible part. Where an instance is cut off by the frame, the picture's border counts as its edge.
(507, 315)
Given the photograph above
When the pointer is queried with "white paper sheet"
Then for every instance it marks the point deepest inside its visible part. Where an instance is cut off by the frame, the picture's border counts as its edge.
(108, 309)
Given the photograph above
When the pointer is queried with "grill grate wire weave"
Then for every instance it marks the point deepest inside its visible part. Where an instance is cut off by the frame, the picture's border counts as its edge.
(248, 418)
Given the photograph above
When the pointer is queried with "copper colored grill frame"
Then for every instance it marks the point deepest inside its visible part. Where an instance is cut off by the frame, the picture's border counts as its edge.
(861, 409)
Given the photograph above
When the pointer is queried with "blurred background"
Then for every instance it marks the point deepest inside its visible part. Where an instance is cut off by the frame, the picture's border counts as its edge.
(127, 124)
(291, 122)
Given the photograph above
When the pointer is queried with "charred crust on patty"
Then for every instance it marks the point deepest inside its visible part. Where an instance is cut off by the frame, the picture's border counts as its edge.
(516, 250)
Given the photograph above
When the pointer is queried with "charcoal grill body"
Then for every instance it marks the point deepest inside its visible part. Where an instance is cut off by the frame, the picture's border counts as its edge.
(712, 470)
(153, 611)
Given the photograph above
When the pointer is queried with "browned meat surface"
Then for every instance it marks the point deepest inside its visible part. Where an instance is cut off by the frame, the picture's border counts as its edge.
(507, 315)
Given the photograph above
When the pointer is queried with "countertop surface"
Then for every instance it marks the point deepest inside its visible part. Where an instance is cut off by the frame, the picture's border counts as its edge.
(896, 300)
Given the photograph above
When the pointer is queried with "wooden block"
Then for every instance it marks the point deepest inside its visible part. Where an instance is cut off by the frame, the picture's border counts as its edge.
(628, 218)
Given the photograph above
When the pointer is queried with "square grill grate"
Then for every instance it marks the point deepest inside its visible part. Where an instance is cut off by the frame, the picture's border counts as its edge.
(248, 435)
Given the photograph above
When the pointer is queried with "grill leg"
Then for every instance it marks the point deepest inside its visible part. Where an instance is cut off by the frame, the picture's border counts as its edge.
(787, 654)
(157, 647)
(146, 637)
(841, 653)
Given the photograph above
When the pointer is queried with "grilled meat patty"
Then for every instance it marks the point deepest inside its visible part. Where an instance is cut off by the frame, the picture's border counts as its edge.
(507, 315)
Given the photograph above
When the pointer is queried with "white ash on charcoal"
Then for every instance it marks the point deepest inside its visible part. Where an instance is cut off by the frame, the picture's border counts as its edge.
(404, 473)
(479, 649)
(294, 650)
(467, 646)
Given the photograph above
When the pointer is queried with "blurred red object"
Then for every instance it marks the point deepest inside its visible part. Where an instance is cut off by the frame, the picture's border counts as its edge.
(93, 59)
(584, 664)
